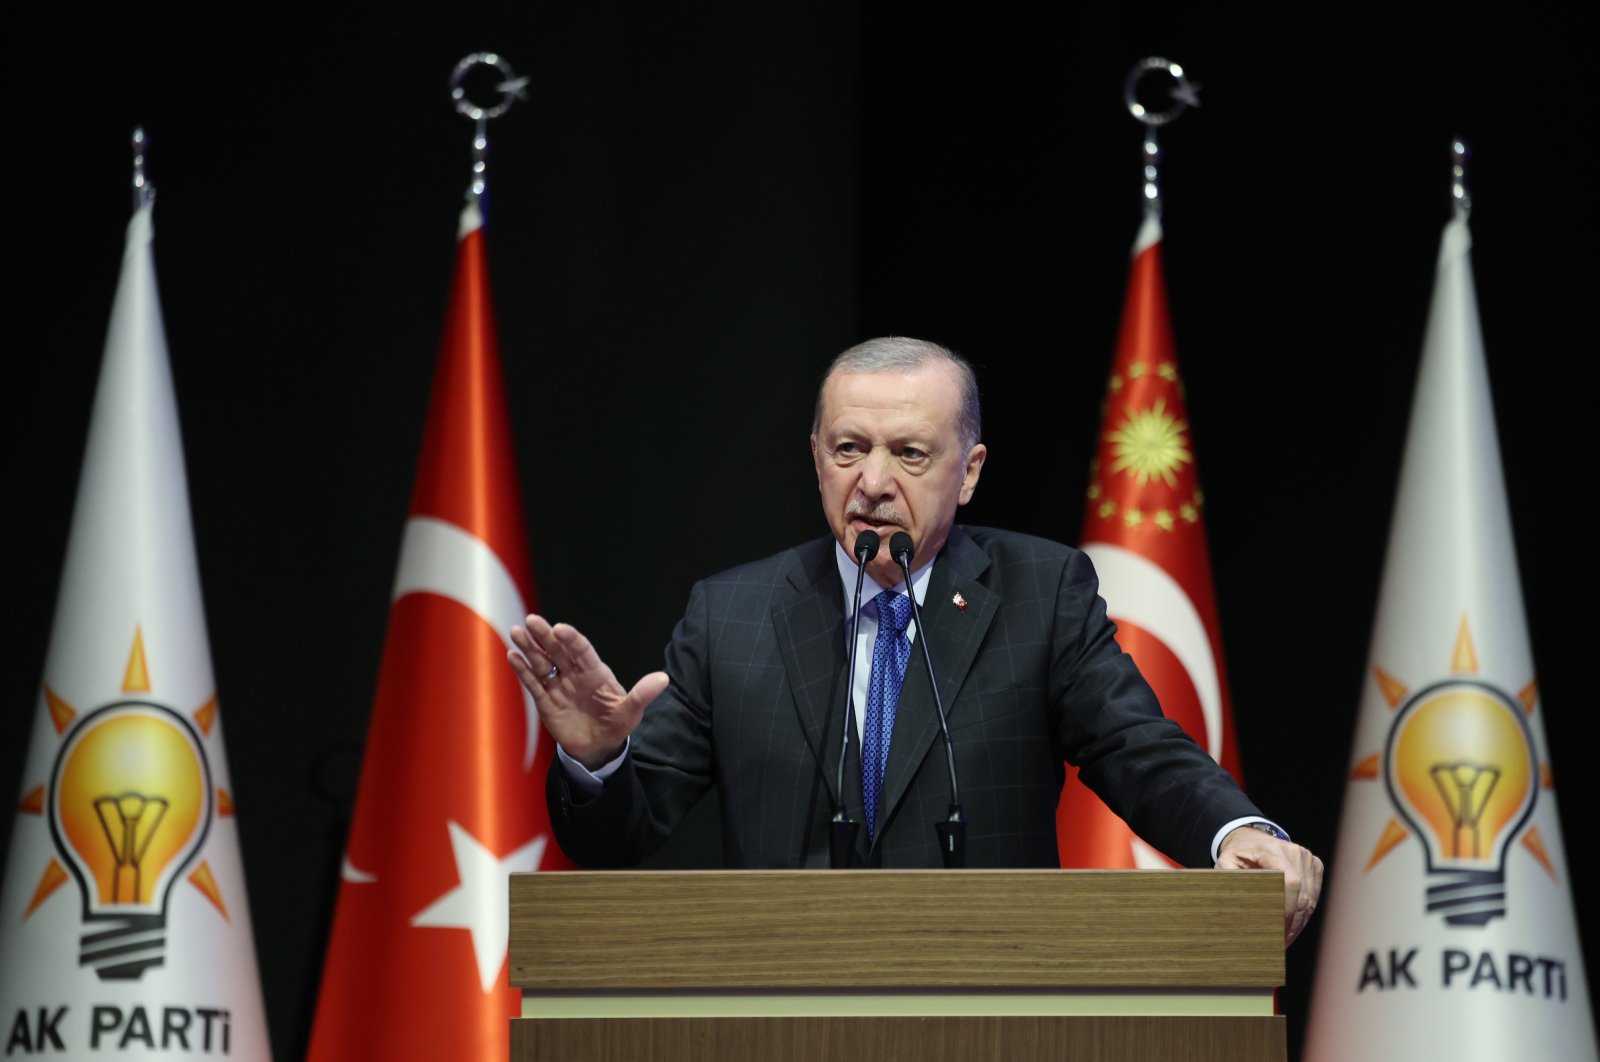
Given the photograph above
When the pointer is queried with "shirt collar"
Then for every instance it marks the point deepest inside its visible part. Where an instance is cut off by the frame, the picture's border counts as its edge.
(870, 588)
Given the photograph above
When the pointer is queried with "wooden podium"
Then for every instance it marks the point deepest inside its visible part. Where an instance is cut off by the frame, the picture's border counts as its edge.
(932, 966)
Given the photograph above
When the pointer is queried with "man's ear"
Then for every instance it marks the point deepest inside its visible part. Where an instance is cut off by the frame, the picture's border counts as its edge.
(975, 459)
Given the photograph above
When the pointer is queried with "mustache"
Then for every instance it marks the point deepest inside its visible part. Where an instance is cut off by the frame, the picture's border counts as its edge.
(882, 513)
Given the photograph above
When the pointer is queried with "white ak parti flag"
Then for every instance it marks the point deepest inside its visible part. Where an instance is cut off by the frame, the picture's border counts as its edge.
(124, 922)
(1450, 932)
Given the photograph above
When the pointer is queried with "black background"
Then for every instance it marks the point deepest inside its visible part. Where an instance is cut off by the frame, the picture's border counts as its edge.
(690, 214)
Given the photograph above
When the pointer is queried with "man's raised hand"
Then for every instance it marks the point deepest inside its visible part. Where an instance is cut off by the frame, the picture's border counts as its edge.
(581, 704)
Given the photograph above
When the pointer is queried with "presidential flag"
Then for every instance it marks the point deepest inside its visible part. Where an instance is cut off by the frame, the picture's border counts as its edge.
(1144, 529)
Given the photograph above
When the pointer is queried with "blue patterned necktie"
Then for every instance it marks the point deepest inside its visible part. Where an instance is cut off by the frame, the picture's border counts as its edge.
(891, 651)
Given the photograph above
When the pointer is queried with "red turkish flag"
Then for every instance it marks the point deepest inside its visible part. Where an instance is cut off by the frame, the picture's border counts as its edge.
(1143, 529)
(451, 799)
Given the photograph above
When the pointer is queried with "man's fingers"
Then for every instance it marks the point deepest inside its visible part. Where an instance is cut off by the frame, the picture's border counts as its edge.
(560, 646)
(559, 660)
(537, 627)
(531, 664)
(1296, 914)
(518, 660)
(649, 688)
(1298, 920)
(542, 645)
(632, 702)
(1302, 877)
(570, 650)
(1302, 895)
(1310, 889)
(527, 650)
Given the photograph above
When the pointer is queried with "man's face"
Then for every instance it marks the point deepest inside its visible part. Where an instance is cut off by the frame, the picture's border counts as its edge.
(889, 458)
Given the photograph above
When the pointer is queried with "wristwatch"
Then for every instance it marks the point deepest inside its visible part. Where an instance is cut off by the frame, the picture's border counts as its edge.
(1267, 827)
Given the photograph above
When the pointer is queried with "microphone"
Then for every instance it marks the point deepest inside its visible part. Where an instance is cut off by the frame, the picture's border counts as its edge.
(953, 831)
(844, 830)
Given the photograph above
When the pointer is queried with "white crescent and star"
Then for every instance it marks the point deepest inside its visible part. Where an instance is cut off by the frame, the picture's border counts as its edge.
(440, 558)
(481, 902)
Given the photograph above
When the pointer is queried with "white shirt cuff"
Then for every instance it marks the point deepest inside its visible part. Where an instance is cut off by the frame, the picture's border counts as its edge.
(1229, 827)
(588, 782)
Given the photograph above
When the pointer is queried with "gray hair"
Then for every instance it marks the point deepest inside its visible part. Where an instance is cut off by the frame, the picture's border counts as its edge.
(903, 355)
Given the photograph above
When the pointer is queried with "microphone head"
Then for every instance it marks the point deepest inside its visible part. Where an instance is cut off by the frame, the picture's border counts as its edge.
(901, 547)
(866, 546)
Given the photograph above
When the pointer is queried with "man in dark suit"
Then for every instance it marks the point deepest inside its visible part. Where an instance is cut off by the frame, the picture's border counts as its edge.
(1028, 671)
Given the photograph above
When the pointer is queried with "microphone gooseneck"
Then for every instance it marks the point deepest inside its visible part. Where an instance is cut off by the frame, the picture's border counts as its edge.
(953, 831)
(843, 830)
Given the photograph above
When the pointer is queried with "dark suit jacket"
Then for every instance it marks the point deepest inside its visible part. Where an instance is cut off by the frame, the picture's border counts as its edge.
(1029, 673)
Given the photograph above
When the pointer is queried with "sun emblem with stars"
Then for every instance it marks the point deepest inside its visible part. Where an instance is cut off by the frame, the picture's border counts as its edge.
(1150, 443)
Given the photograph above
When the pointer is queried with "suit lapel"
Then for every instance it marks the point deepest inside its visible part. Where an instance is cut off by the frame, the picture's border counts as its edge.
(810, 633)
(954, 633)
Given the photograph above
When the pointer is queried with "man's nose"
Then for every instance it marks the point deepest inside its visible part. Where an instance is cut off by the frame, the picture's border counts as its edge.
(877, 475)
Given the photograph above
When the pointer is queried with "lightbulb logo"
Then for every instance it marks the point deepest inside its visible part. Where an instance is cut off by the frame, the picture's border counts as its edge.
(130, 802)
(1461, 771)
